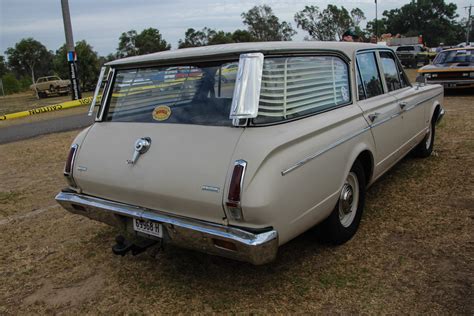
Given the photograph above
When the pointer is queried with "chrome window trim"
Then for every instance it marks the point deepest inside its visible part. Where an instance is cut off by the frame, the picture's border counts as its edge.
(377, 64)
(96, 92)
(396, 65)
(107, 93)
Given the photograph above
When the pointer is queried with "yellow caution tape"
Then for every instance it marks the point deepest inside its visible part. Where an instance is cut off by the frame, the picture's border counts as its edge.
(88, 100)
(49, 108)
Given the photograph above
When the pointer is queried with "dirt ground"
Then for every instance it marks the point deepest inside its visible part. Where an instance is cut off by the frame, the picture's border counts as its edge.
(413, 253)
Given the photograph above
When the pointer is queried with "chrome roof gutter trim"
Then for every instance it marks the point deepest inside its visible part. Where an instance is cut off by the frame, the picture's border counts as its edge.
(255, 248)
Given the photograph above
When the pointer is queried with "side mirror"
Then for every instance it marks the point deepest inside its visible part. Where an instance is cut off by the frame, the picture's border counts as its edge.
(247, 87)
(421, 80)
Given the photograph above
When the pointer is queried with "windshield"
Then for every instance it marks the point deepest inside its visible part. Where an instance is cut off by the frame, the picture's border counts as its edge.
(185, 94)
(455, 56)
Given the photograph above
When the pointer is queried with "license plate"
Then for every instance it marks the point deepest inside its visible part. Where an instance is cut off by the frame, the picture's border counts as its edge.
(148, 227)
(450, 85)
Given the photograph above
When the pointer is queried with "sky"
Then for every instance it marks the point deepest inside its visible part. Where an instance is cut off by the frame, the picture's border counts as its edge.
(100, 22)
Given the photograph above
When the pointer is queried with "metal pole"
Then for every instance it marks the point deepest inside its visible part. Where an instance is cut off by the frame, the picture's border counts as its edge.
(71, 53)
(376, 24)
(468, 28)
(1, 86)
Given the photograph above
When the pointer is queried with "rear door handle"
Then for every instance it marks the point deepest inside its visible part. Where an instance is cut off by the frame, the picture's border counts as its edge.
(402, 105)
(373, 116)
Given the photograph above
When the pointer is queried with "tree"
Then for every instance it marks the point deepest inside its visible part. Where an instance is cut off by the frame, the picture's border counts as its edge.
(370, 29)
(87, 63)
(207, 36)
(195, 38)
(29, 57)
(10, 83)
(263, 25)
(329, 24)
(434, 19)
(148, 41)
(242, 36)
(3, 66)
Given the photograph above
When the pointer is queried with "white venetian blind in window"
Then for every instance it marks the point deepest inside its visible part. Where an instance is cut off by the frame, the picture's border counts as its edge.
(296, 86)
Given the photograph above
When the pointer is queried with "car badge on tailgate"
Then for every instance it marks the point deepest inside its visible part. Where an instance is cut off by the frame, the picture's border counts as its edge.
(141, 146)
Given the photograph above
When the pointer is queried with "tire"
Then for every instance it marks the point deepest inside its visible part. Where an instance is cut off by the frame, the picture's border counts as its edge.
(425, 147)
(344, 220)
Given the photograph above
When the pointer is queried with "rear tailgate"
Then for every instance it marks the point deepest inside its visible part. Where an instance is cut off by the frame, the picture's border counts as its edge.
(183, 172)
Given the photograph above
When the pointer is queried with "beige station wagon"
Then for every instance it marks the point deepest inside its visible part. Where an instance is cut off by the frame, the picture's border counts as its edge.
(179, 154)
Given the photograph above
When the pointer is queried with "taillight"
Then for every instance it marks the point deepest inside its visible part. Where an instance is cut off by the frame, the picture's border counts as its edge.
(235, 190)
(70, 160)
(70, 164)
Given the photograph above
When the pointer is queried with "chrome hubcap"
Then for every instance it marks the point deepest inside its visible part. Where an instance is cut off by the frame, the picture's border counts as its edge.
(349, 200)
(346, 198)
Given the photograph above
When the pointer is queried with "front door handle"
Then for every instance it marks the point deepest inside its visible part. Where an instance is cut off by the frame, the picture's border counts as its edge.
(402, 105)
(373, 116)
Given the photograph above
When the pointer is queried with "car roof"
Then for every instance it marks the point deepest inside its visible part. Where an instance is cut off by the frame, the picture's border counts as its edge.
(458, 48)
(234, 50)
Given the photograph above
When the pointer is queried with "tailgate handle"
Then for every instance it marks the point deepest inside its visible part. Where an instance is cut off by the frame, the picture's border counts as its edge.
(141, 146)
(402, 105)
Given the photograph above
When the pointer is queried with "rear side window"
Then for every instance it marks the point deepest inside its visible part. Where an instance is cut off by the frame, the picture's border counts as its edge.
(369, 74)
(390, 71)
(297, 86)
(184, 94)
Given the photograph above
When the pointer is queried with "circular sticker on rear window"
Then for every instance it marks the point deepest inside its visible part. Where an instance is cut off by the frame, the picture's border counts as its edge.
(345, 95)
(161, 113)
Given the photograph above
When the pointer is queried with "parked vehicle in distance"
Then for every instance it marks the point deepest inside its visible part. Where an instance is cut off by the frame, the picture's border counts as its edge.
(46, 86)
(453, 68)
(412, 55)
(464, 44)
(239, 168)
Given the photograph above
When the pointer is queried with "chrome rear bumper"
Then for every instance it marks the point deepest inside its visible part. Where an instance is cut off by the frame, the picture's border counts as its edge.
(256, 248)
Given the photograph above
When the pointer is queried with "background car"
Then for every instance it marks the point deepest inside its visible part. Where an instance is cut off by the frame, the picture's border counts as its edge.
(46, 86)
(453, 68)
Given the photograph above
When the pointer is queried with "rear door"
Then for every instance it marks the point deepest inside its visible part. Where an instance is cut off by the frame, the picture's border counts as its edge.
(380, 110)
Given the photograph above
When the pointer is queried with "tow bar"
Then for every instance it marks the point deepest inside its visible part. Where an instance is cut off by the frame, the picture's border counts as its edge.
(123, 246)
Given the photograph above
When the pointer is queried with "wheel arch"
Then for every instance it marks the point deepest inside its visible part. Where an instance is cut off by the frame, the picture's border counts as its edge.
(363, 153)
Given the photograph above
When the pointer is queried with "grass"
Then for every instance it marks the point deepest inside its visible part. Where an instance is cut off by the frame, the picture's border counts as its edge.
(413, 252)
(26, 101)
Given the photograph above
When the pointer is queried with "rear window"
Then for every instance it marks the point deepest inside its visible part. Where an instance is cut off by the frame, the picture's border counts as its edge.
(185, 94)
(405, 48)
(293, 87)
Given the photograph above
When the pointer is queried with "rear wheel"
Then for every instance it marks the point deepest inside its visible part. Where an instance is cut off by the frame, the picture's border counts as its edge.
(425, 148)
(344, 220)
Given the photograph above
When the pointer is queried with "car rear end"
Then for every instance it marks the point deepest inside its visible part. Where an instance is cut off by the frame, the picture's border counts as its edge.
(156, 162)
